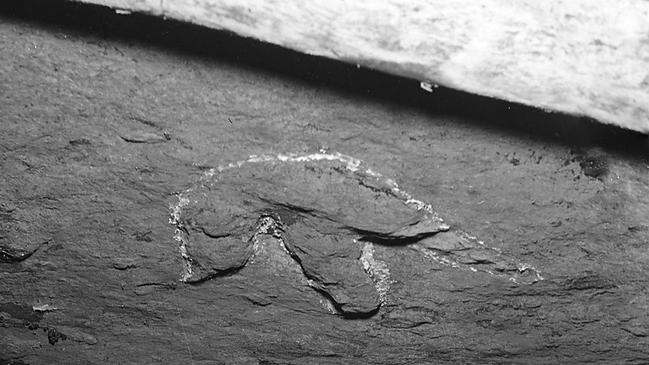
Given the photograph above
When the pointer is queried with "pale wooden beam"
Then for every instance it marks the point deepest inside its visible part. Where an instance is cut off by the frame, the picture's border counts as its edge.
(582, 57)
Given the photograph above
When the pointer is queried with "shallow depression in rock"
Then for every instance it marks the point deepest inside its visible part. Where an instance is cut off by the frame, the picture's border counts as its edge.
(327, 210)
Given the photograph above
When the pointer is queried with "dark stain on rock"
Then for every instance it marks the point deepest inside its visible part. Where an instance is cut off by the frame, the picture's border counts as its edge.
(143, 236)
(287, 214)
(589, 280)
(12, 362)
(258, 300)
(12, 255)
(22, 312)
(593, 162)
(79, 142)
(124, 263)
(54, 336)
(144, 137)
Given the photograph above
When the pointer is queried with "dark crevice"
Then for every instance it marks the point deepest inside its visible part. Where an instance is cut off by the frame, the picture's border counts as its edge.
(297, 260)
(338, 307)
(321, 291)
(406, 326)
(164, 285)
(214, 235)
(146, 122)
(285, 213)
(279, 234)
(388, 240)
(282, 207)
(10, 255)
(148, 140)
(216, 273)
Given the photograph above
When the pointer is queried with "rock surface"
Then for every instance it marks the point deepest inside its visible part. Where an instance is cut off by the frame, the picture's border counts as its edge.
(319, 205)
(84, 214)
(583, 57)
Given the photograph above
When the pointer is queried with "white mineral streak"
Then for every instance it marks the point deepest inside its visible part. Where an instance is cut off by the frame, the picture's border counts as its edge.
(44, 308)
(523, 267)
(265, 226)
(379, 272)
(179, 236)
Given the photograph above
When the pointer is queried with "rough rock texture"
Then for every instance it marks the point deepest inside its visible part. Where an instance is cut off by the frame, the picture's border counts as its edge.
(332, 263)
(584, 57)
(320, 205)
(103, 282)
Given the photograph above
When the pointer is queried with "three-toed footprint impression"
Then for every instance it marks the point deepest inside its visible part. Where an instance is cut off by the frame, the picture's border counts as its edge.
(327, 209)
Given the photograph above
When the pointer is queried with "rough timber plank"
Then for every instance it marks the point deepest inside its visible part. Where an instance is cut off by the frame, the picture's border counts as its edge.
(582, 57)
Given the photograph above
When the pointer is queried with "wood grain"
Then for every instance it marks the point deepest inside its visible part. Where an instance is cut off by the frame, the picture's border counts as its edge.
(582, 57)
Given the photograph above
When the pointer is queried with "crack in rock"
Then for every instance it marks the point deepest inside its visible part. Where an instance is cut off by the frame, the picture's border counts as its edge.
(328, 212)
(330, 262)
(10, 254)
(459, 249)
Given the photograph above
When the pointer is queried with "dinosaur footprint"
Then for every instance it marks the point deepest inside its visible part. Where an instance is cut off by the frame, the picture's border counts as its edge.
(326, 209)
